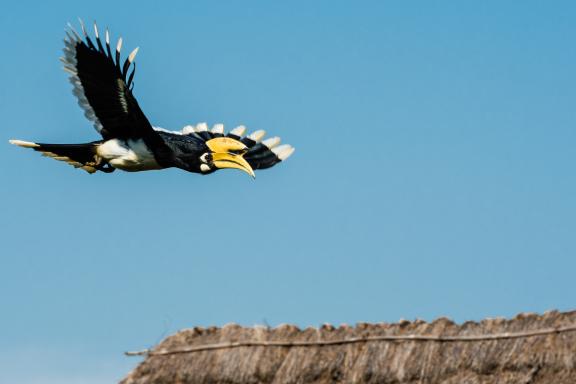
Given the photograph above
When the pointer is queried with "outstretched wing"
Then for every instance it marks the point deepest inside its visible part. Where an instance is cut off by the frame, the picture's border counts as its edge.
(103, 87)
(261, 154)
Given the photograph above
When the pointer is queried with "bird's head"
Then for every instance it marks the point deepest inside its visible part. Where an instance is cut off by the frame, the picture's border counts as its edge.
(225, 152)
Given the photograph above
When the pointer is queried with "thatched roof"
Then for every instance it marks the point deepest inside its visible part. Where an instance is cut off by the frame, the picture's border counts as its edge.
(527, 349)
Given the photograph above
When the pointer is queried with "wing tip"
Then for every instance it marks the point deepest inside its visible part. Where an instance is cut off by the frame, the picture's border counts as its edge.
(133, 54)
(218, 128)
(23, 144)
(257, 136)
(239, 131)
(271, 142)
(283, 151)
(201, 127)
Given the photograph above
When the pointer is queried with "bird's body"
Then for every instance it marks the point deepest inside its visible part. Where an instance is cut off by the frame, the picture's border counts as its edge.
(128, 155)
(129, 142)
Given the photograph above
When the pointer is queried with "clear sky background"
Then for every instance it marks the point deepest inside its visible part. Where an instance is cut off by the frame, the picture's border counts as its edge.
(434, 174)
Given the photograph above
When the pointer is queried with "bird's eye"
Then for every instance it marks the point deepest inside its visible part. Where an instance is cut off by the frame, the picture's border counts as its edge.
(206, 158)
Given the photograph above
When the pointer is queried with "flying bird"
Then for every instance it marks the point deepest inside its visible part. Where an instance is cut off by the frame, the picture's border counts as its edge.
(103, 86)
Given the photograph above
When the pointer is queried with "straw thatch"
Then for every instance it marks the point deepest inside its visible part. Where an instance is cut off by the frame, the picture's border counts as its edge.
(527, 349)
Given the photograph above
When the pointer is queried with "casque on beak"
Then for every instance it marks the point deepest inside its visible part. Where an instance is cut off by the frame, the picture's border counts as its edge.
(228, 153)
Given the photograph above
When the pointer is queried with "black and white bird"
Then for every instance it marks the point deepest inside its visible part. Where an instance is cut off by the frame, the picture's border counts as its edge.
(103, 86)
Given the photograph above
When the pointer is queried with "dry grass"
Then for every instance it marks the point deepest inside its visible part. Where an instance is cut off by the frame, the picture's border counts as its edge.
(544, 358)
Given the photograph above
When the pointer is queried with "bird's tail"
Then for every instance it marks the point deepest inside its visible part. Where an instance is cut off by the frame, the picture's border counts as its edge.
(78, 155)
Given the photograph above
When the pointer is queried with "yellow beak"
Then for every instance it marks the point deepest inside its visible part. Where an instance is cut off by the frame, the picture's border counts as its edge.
(228, 153)
(229, 160)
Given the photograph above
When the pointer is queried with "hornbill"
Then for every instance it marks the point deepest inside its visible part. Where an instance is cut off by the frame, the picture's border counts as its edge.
(103, 86)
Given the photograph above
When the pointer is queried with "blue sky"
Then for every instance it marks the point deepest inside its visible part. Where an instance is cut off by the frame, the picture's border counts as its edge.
(433, 174)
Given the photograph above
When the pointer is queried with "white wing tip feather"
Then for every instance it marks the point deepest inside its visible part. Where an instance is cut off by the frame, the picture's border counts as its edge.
(271, 142)
(218, 128)
(70, 71)
(75, 34)
(82, 26)
(187, 129)
(24, 144)
(201, 127)
(132, 55)
(257, 135)
(284, 151)
(239, 131)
